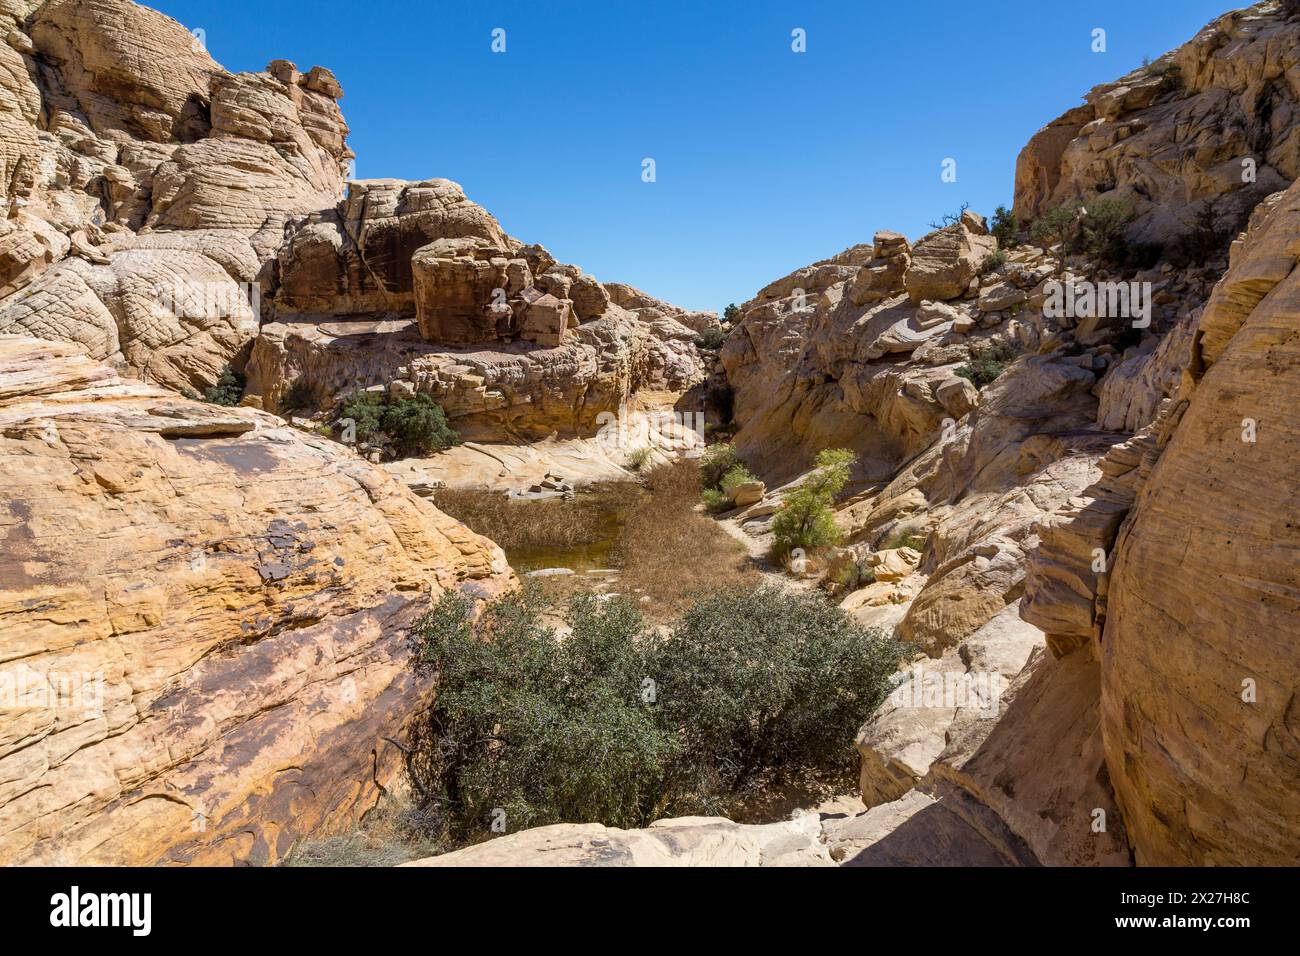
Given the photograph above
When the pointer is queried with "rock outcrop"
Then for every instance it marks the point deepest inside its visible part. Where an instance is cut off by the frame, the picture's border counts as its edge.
(1214, 121)
(164, 180)
(1194, 605)
(203, 614)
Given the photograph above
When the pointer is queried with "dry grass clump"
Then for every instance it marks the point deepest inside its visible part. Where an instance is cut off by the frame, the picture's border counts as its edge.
(555, 523)
(395, 831)
(671, 552)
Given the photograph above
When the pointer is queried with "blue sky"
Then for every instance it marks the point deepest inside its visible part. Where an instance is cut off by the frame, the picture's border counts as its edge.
(765, 159)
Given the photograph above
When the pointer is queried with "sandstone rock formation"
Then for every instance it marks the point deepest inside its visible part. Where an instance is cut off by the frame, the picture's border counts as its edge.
(1192, 613)
(204, 616)
(166, 180)
(1215, 119)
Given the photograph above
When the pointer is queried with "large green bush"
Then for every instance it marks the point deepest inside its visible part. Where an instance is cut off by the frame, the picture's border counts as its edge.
(414, 426)
(620, 724)
(806, 519)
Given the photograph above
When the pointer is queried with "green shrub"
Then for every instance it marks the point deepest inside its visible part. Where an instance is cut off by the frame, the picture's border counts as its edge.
(994, 260)
(906, 538)
(716, 461)
(365, 410)
(765, 684)
(806, 519)
(418, 426)
(415, 426)
(736, 476)
(544, 728)
(1005, 227)
(619, 725)
(710, 340)
(715, 501)
(1057, 226)
(228, 390)
(731, 314)
(1101, 230)
(987, 363)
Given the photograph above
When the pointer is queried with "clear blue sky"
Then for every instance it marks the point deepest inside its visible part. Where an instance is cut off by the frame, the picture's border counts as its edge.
(765, 159)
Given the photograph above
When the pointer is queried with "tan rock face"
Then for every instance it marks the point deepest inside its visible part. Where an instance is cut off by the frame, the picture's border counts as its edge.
(1199, 660)
(944, 262)
(682, 841)
(490, 393)
(1173, 136)
(203, 614)
(115, 120)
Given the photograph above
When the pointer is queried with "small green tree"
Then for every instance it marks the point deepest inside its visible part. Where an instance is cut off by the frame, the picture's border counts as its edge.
(417, 426)
(710, 340)
(736, 476)
(806, 519)
(1055, 227)
(731, 314)
(716, 461)
(1005, 227)
(1101, 229)
(228, 390)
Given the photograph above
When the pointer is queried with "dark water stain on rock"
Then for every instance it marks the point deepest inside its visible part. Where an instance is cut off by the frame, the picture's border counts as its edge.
(240, 456)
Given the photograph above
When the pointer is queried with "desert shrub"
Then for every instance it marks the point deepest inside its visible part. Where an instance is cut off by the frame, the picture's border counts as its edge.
(1005, 227)
(365, 410)
(806, 519)
(764, 684)
(715, 501)
(994, 260)
(228, 390)
(1207, 237)
(736, 476)
(544, 728)
(618, 724)
(731, 314)
(716, 461)
(906, 538)
(1101, 231)
(418, 426)
(710, 340)
(987, 363)
(1057, 226)
(639, 458)
(414, 425)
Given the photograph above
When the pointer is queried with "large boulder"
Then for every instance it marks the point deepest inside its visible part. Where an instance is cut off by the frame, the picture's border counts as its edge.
(944, 262)
(204, 617)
